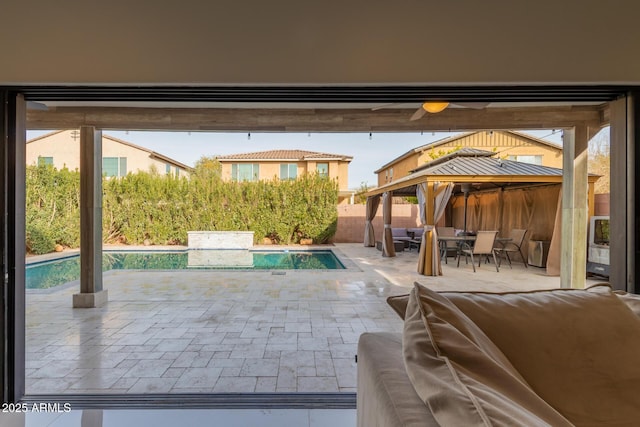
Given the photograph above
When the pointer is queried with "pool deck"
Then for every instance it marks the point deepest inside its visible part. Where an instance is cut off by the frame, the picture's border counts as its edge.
(233, 331)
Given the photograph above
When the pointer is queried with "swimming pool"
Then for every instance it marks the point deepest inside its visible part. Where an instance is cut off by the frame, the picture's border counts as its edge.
(49, 274)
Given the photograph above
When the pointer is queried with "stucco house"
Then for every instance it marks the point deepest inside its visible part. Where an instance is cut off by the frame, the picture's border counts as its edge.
(62, 149)
(288, 164)
(506, 144)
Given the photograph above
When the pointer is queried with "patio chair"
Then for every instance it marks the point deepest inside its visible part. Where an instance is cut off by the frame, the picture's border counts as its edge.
(515, 245)
(484, 245)
(449, 248)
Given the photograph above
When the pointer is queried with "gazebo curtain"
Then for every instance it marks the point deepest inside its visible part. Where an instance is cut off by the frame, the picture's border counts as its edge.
(554, 255)
(442, 200)
(371, 210)
(388, 250)
(429, 259)
(421, 194)
(535, 209)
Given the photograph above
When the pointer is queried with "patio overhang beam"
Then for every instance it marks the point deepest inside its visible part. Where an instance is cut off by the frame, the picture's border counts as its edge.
(315, 120)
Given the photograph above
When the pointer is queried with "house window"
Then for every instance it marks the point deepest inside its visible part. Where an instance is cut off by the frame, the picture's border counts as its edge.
(245, 171)
(167, 168)
(42, 161)
(322, 169)
(114, 166)
(288, 171)
(534, 160)
(390, 174)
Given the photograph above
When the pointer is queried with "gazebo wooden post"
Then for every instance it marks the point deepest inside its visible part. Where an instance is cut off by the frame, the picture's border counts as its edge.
(425, 259)
(430, 214)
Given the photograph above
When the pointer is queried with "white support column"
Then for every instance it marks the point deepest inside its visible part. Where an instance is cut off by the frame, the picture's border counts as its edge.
(573, 258)
(91, 292)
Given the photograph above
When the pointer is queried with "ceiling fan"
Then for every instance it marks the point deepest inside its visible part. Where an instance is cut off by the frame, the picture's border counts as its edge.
(434, 107)
(34, 105)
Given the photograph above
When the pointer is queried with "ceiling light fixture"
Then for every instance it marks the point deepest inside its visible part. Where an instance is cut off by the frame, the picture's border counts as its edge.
(434, 106)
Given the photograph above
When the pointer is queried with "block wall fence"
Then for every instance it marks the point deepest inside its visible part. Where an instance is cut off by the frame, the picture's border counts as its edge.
(351, 219)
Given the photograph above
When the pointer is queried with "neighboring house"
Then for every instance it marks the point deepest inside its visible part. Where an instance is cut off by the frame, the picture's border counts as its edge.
(506, 144)
(62, 149)
(288, 164)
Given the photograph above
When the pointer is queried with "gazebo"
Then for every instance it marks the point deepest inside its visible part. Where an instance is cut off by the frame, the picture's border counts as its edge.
(504, 194)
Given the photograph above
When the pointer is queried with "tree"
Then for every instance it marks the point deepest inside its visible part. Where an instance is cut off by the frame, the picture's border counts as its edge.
(360, 196)
(600, 160)
(208, 167)
(441, 153)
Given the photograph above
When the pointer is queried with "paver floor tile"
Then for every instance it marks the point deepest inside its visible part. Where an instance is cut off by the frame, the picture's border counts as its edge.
(200, 331)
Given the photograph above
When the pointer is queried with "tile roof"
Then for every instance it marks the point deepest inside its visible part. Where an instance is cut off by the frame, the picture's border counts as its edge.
(299, 155)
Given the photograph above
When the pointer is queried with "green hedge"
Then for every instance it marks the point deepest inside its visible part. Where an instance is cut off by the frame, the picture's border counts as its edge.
(52, 208)
(162, 208)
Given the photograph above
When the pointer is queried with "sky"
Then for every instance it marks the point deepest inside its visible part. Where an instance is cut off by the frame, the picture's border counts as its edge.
(369, 151)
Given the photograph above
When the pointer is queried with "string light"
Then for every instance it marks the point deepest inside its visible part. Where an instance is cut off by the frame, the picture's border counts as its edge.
(249, 135)
(370, 136)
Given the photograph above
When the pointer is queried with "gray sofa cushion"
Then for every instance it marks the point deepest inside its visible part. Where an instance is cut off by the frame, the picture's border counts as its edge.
(461, 374)
(400, 234)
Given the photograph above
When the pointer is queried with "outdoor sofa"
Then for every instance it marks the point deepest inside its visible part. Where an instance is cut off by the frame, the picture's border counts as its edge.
(558, 357)
(406, 234)
(400, 234)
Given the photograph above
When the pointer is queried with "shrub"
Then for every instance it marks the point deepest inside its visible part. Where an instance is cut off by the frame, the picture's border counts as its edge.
(39, 241)
(163, 208)
(52, 207)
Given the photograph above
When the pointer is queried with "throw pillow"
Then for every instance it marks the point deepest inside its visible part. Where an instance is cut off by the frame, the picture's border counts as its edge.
(460, 374)
(399, 304)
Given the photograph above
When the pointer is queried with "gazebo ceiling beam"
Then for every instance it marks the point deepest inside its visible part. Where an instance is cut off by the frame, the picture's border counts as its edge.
(315, 120)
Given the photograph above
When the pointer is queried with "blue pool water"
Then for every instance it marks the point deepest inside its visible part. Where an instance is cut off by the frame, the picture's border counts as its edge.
(54, 273)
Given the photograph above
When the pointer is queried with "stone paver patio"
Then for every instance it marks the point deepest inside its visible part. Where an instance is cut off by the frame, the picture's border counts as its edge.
(232, 331)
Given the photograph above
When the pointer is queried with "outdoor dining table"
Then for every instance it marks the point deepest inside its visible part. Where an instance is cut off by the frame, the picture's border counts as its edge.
(470, 238)
(442, 240)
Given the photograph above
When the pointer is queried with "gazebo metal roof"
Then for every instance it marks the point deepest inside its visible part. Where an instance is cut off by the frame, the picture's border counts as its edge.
(478, 167)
